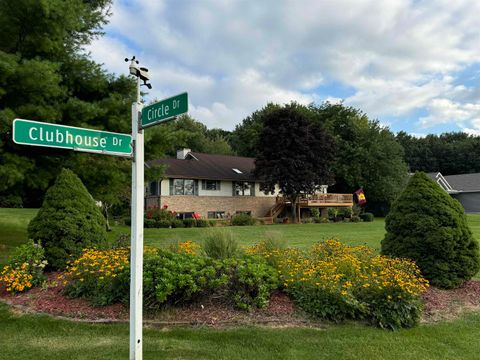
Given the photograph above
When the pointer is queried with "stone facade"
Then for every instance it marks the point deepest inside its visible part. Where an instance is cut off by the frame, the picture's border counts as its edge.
(258, 206)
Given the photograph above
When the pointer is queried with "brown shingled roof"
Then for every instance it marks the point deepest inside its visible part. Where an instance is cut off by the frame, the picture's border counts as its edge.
(208, 166)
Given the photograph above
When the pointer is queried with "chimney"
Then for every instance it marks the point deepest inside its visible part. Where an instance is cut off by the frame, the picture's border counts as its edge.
(182, 154)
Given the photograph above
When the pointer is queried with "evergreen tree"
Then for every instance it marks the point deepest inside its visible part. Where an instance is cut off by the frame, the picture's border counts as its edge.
(68, 221)
(429, 226)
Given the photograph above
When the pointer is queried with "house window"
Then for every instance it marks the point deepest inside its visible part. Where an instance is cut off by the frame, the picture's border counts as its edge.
(249, 213)
(216, 214)
(185, 215)
(210, 185)
(183, 187)
(243, 189)
(153, 189)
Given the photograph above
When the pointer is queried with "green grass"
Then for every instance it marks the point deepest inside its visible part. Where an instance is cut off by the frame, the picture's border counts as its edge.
(299, 235)
(40, 337)
(13, 229)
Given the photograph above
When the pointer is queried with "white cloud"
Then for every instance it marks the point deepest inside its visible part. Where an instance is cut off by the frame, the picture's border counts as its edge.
(233, 57)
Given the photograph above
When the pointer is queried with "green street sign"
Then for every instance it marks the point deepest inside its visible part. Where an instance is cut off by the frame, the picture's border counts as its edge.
(164, 110)
(28, 132)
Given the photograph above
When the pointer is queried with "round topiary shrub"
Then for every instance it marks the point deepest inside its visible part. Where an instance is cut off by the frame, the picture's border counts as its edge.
(242, 220)
(68, 221)
(426, 225)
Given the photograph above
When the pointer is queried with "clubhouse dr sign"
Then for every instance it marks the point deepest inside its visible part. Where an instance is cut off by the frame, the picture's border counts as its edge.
(28, 132)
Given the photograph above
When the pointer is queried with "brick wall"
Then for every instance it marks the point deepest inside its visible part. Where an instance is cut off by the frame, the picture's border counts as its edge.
(259, 206)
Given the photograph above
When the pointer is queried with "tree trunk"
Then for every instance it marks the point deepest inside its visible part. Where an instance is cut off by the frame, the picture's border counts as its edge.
(293, 200)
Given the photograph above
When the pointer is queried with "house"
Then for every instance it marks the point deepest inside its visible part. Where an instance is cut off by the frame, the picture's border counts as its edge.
(465, 188)
(220, 186)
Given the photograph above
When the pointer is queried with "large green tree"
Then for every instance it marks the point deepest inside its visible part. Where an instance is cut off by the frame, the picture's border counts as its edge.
(45, 76)
(449, 153)
(368, 155)
(429, 226)
(294, 153)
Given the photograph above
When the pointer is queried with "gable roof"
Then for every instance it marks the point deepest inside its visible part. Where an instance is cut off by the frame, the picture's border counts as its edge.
(207, 166)
(464, 182)
(458, 183)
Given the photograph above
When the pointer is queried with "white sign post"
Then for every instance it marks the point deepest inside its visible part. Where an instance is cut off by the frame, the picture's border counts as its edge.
(136, 249)
(179, 106)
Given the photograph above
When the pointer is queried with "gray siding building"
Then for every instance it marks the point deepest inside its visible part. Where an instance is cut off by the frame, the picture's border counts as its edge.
(465, 188)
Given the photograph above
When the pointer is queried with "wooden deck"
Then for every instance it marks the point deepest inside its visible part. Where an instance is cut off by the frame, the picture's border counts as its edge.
(327, 200)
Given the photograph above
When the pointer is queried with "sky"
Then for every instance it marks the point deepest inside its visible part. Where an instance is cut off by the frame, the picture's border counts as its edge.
(413, 65)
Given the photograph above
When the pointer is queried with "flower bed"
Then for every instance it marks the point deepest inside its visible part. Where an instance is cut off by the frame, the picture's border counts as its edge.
(337, 282)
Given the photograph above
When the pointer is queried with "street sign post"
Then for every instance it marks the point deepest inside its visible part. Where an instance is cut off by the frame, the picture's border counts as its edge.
(164, 110)
(28, 132)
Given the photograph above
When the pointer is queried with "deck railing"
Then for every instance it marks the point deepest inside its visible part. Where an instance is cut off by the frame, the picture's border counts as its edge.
(327, 199)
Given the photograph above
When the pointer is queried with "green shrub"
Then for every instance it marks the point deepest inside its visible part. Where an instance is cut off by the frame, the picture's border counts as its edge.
(68, 221)
(212, 223)
(355, 218)
(242, 220)
(220, 244)
(11, 201)
(315, 212)
(127, 221)
(164, 224)
(251, 281)
(346, 212)
(202, 223)
(178, 223)
(170, 278)
(189, 223)
(149, 223)
(425, 224)
(367, 217)
(333, 213)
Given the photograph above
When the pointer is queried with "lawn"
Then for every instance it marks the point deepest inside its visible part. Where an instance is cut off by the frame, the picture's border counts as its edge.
(42, 337)
(13, 229)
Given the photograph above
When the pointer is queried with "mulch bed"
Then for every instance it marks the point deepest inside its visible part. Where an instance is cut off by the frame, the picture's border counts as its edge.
(281, 311)
(449, 304)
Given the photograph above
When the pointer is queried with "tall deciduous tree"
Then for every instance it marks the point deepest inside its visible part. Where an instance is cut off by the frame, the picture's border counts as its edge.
(368, 156)
(294, 153)
(449, 153)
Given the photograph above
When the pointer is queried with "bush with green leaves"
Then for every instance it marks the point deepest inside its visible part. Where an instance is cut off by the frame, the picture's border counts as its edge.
(428, 226)
(220, 244)
(333, 213)
(346, 212)
(163, 224)
(189, 223)
(149, 223)
(367, 217)
(242, 220)
(68, 221)
(251, 281)
(202, 223)
(172, 278)
(315, 212)
(177, 223)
